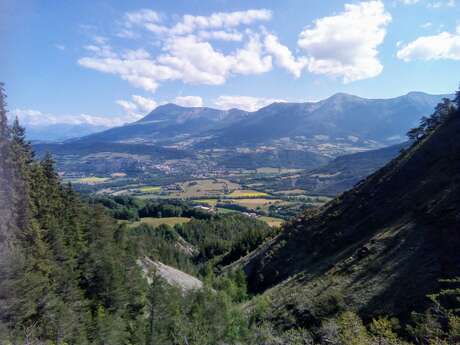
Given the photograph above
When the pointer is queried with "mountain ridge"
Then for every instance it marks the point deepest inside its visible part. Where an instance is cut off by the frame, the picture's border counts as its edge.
(238, 127)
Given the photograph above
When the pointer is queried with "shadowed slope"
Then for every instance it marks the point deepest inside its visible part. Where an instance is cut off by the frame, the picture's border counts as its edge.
(379, 248)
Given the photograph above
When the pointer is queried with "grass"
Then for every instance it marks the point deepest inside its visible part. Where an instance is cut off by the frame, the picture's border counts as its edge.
(291, 192)
(158, 221)
(92, 180)
(254, 202)
(150, 189)
(273, 222)
(212, 202)
(204, 188)
(247, 194)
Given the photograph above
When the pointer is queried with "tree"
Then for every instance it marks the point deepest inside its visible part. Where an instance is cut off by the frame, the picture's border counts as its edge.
(457, 98)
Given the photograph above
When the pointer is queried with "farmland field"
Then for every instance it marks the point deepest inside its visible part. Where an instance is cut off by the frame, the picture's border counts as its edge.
(255, 202)
(272, 221)
(158, 221)
(268, 170)
(91, 180)
(203, 188)
(150, 189)
(247, 194)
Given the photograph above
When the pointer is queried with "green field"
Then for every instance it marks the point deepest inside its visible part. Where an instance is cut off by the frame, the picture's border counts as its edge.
(150, 189)
(272, 221)
(158, 221)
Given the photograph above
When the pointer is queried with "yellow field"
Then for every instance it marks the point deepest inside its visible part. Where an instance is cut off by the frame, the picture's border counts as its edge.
(255, 202)
(247, 194)
(158, 221)
(150, 189)
(92, 180)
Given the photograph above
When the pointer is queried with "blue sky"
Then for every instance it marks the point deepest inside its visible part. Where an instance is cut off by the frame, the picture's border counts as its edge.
(109, 62)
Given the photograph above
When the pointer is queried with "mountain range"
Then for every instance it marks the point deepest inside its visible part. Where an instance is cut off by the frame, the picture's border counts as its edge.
(342, 119)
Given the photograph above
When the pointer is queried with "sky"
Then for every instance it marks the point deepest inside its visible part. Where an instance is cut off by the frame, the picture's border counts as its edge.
(105, 63)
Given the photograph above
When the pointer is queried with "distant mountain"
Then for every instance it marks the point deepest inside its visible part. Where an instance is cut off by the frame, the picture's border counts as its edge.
(60, 132)
(379, 248)
(340, 118)
(170, 121)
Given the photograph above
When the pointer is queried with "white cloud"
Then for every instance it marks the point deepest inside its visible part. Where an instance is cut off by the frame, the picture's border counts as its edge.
(138, 107)
(439, 4)
(244, 102)
(189, 101)
(143, 73)
(195, 61)
(219, 20)
(221, 35)
(444, 45)
(426, 25)
(284, 57)
(141, 17)
(143, 103)
(35, 118)
(136, 54)
(250, 59)
(346, 44)
(189, 58)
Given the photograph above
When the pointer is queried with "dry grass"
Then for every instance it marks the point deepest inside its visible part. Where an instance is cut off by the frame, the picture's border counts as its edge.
(273, 222)
(91, 180)
(150, 189)
(158, 221)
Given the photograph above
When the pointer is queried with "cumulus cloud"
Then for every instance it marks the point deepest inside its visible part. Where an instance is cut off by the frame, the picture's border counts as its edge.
(140, 72)
(189, 101)
(138, 106)
(250, 59)
(185, 58)
(345, 45)
(444, 45)
(186, 51)
(36, 118)
(284, 57)
(244, 102)
(219, 20)
(221, 35)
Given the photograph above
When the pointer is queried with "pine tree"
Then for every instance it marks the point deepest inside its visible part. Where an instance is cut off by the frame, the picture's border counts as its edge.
(457, 99)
